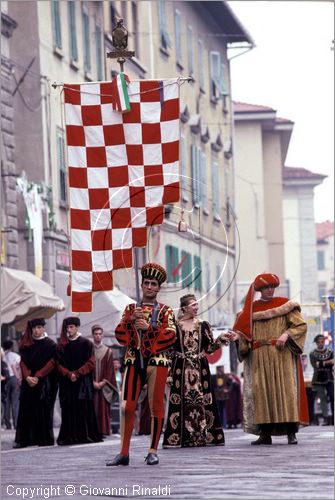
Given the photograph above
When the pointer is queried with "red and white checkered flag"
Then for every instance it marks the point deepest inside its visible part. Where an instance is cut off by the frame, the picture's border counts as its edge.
(123, 168)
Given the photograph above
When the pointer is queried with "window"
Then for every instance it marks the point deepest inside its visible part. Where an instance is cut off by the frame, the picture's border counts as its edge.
(215, 190)
(61, 165)
(190, 50)
(134, 11)
(164, 36)
(112, 16)
(322, 287)
(177, 24)
(86, 39)
(215, 73)
(124, 11)
(217, 76)
(321, 260)
(98, 45)
(171, 254)
(218, 281)
(72, 30)
(195, 173)
(183, 167)
(201, 65)
(197, 274)
(208, 277)
(186, 269)
(203, 175)
(56, 26)
(223, 90)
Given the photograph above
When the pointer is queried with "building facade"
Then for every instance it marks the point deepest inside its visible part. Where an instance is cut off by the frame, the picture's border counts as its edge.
(9, 215)
(325, 258)
(261, 144)
(300, 234)
(61, 42)
(181, 39)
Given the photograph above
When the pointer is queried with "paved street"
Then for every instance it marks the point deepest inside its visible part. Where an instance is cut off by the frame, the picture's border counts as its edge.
(236, 470)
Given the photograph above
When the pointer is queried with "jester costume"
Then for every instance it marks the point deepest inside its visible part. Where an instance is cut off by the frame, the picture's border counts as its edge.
(146, 360)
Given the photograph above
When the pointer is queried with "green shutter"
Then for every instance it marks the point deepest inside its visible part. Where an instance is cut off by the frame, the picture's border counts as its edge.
(186, 269)
(175, 263)
(197, 274)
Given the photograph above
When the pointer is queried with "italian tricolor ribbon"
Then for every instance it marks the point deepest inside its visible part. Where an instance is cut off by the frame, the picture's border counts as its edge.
(120, 93)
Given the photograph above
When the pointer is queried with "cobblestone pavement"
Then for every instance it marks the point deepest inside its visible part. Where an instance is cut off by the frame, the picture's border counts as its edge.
(236, 471)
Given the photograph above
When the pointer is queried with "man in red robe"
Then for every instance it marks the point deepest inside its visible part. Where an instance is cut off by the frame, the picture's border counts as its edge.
(104, 382)
(271, 334)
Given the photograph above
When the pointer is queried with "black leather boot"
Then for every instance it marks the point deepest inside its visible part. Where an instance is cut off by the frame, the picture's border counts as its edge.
(118, 460)
(152, 459)
(291, 438)
(263, 439)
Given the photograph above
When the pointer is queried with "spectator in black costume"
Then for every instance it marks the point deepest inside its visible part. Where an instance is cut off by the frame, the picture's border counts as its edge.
(75, 363)
(322, 360)
(38, 388)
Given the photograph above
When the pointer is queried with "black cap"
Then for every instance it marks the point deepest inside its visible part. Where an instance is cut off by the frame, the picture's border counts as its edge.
(72, 320)
(37, 322)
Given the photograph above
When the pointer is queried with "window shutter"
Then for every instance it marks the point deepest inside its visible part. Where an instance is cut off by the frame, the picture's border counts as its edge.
(87, 48)
(177, 20)
(56, 24)
(201, 64)
(168, 261)
(215, 189)
(98, 44)
(183, 167)
(190, 49)
(175, 263)
(215, 71)
(61, 165)
(186, 269)
(203, 166)
(222, 87)
(194, 174)
(73, 31)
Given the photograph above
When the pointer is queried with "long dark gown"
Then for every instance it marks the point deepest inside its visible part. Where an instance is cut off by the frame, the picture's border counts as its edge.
(193, 418)
(35, 418)
(79, 424)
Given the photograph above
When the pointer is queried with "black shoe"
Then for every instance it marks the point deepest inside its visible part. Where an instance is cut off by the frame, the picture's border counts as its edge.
(65, 442)
(263, 439)
(291, 438)
(118, 460)
(152, 459)
(18, 445)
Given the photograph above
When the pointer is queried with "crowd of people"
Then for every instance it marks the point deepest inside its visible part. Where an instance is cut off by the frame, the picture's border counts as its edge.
(164, 384)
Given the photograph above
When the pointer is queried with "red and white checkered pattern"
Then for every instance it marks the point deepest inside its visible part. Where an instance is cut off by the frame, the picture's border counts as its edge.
(123, 168)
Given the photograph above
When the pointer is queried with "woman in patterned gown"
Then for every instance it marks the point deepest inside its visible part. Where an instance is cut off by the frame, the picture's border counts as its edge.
(193, 418)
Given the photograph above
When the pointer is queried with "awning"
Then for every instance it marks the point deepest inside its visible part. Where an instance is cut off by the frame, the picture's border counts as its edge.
(107, 308)
(24, 297)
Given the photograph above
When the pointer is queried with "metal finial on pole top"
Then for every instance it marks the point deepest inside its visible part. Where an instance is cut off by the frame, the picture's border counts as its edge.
(120, 43)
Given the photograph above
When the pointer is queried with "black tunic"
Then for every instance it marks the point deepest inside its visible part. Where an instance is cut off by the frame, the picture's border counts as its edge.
(79, 423)
(35, 418)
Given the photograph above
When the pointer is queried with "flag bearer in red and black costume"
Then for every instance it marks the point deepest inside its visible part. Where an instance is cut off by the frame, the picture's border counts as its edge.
(148, 330)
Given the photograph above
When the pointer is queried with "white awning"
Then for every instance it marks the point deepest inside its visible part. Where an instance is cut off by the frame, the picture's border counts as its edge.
(24, 297)
(107, 307)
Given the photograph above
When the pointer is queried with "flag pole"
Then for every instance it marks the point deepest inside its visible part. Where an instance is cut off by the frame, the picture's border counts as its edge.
(121, 54)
